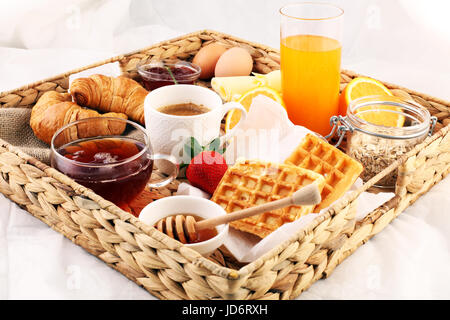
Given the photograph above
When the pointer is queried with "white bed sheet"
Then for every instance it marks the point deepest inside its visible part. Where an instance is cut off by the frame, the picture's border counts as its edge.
(410, 259)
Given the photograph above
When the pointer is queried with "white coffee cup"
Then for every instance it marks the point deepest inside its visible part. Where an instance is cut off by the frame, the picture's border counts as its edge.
(169, 133)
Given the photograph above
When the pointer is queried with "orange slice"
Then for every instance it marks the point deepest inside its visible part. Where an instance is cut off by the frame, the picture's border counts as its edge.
(364, 87)
(246, 99)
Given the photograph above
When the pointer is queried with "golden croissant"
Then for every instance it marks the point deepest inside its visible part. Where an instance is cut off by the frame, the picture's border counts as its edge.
(108, 94)
(54, 110)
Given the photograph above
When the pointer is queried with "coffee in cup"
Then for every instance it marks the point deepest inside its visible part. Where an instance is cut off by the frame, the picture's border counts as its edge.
(176, 113)
(184, 109)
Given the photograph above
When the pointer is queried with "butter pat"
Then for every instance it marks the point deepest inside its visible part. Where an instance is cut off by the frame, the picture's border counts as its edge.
(272, 79)
(232, 88)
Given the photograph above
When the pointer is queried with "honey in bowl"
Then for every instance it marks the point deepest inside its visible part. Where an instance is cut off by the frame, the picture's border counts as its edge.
(201, 235)
(204, 234)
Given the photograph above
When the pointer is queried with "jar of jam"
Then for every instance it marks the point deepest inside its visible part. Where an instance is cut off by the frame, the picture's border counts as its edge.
(374, 145)
(161, 73)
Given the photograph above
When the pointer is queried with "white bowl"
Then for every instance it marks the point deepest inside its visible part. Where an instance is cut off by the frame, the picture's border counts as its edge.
(201, 207)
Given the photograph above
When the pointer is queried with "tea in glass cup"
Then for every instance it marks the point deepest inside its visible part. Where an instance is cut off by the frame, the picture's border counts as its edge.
(116, 167)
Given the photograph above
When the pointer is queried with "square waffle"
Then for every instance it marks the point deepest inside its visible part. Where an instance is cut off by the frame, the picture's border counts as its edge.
(251, 182)
(340, 170)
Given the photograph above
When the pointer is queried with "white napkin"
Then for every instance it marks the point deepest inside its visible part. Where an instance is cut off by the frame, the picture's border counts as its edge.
(267, 134)
(247, 248)
(188, 190)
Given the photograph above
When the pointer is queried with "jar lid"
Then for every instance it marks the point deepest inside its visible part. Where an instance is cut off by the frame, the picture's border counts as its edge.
(415, 120)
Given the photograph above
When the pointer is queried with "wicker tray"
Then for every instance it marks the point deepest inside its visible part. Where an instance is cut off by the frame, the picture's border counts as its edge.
(165, 267)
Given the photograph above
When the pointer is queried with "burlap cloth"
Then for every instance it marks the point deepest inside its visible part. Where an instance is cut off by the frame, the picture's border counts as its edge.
(15, 129)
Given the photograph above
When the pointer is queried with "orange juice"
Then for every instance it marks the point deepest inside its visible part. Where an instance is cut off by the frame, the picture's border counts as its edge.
(310, 73)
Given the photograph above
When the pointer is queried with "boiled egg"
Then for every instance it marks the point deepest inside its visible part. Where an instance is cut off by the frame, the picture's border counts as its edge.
(206, 58)
(235, 61)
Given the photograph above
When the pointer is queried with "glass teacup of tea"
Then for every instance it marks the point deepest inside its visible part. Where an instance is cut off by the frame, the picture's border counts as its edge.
(111, 156)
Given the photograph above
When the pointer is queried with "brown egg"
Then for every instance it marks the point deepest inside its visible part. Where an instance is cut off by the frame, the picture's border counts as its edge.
(234, 62)
(207, 58)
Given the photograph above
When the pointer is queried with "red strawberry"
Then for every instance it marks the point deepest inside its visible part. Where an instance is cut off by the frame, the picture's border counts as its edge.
(206, 169)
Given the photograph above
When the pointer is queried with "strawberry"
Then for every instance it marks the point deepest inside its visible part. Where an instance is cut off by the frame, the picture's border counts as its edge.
(206, 170)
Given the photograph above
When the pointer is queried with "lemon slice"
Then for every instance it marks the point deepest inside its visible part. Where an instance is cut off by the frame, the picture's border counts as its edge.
(246, 99)
(380, 115)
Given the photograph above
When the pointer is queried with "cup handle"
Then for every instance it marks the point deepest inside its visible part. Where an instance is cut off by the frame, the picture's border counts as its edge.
(230, 106)
(164, 181)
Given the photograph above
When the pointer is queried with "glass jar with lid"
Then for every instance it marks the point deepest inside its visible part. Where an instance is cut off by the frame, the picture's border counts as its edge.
(376, 146)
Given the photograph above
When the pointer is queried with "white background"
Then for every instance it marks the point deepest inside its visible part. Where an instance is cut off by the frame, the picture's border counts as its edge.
(405, 42)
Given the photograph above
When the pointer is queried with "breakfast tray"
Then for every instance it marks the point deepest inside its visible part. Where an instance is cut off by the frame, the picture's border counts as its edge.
(170, 270)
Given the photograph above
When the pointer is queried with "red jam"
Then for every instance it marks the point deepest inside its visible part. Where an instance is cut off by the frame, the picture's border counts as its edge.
(155, 75)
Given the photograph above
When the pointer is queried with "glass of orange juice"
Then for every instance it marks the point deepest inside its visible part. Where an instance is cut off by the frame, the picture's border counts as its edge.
(311, 62)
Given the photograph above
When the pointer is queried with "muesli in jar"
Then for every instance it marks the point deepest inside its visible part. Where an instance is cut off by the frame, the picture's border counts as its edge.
(376, 146)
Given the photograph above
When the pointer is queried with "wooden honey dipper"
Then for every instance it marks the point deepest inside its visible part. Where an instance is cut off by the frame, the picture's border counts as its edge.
(184, 227)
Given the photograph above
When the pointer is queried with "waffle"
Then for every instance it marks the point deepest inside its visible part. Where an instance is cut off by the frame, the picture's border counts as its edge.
(250, 183)
(340, 170)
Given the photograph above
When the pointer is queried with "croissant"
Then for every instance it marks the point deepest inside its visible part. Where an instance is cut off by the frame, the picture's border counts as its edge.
(110, 94)
(54, 110)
